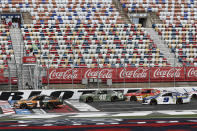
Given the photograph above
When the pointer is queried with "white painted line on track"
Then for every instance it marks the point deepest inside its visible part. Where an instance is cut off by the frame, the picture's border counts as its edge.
(143, 107)
(139, 113)
(173, 121)
(95, 114)
(185, 112)
(39, 111)
(81, 106)
(120, 104)
(44, 116)
(100, 123)
(115, 108)
(161, 121)
(141, 122)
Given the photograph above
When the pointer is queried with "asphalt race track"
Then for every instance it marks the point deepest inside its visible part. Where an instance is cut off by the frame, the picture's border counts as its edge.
(122, 106)
(85, 124)
(66, 120)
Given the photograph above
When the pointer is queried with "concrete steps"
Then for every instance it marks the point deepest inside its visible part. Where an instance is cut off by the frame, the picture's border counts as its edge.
(122, 13)
(171, 58)
(27, 19)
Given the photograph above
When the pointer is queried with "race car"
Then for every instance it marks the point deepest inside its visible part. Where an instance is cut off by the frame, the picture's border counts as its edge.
(42, 101)
(167, 98)
(140, 94)
(102, 95)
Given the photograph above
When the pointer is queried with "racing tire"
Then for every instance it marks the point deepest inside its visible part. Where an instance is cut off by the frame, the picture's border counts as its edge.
(179, 101)
(194, 96)
(35, 106)
(153, 102)
(49, 106)
(114, 98)
(133, 98)
(23, 106)
(89, 100)
(42, 106)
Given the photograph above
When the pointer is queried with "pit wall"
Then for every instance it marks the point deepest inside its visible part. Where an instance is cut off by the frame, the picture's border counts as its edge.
(75, 93)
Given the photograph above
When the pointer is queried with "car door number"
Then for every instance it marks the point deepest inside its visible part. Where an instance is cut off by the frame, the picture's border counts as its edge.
(102, 97)
(120, 96)
(166, 99)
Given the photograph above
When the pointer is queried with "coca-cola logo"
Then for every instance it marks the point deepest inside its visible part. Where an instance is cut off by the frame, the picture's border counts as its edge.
(167, 73)
(102, 73)
(65, 74)
(30, 59)
(137, 73)
(192, 72)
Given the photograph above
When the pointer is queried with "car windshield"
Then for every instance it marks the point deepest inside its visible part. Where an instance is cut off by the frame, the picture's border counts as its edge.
(145, 91)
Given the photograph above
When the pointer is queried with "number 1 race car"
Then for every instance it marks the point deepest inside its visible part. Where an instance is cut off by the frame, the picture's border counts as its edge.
(140, 94)
(102, 95)
(42, 101)
(167, 98)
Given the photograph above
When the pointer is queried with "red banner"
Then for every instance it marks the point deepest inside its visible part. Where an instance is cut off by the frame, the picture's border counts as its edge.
(104, 73)
(133, 74)
(29, 59)
(167, 74)
(129, 74)
(191, 73)
(64, 75)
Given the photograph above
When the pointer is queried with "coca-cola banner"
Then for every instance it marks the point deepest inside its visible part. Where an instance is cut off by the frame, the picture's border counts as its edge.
(63, 75)
(104, 73)
(133, 74)
(167, 73)
(191, 73)
(129, 74)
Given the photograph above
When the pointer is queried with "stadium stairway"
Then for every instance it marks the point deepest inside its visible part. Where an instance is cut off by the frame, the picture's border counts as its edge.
(162, 47)
(122, 13)
(23, 72)
(27, 19)
(155, 19)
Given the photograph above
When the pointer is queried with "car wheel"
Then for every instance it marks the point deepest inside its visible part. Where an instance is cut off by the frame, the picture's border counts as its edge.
(133, 98)
(89, 99)
(179, 101)
(35, 106)
(49, 106)
(194, 96)
(114, 98)
(153, 102)
(42, 105)
(23, 106)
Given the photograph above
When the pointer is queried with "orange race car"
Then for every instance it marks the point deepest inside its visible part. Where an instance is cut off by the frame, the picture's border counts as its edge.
(140, 94)
(42, 101)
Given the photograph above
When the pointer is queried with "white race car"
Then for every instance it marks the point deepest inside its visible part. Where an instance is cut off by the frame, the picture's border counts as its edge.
(167, 98)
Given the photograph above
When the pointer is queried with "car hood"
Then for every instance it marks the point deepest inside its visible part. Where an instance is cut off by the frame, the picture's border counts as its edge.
(89, 94)
(21, 101)
(131, 94)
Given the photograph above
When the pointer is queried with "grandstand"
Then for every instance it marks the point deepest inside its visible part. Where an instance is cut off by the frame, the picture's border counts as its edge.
(47, 38)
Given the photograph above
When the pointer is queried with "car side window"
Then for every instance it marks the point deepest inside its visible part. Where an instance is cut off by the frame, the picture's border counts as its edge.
(146, 91)
(167, 94)
(102, 92)
(37, 98)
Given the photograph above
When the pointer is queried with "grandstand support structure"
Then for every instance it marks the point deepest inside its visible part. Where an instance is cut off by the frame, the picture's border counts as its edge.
(163, 47)
(122, 13)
